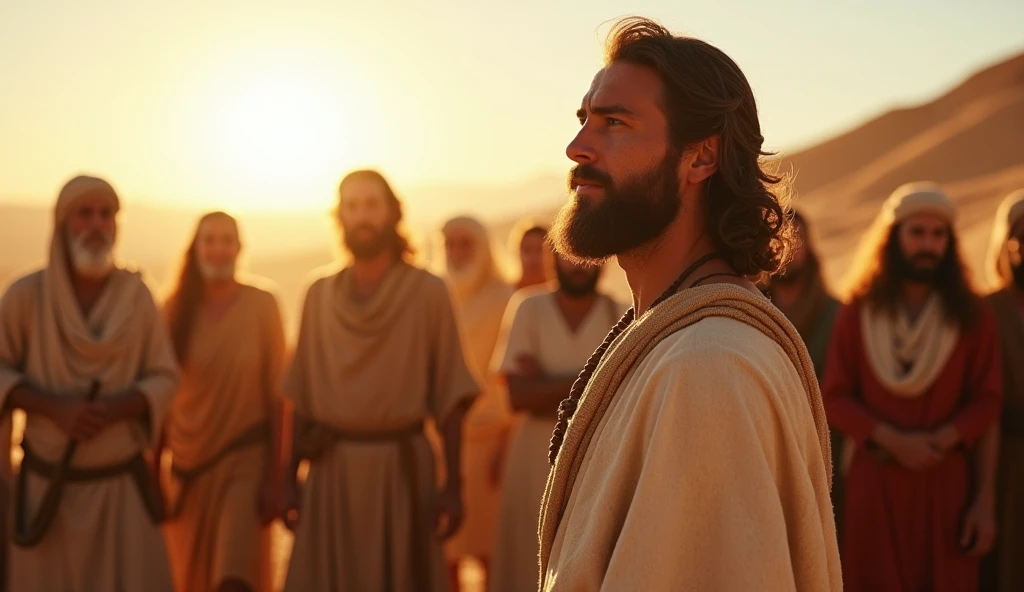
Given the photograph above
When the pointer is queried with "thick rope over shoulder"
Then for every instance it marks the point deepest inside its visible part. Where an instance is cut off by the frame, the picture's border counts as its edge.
(680, 311)
(567, 408)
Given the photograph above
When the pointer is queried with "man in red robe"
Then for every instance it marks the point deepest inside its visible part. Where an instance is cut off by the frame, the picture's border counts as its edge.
(913, 378)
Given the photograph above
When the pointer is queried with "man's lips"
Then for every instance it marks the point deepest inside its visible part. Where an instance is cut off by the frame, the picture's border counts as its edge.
(583, 187)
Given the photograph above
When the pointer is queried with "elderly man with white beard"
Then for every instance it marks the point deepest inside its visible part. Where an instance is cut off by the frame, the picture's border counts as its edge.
(84, 353)
(480, 295)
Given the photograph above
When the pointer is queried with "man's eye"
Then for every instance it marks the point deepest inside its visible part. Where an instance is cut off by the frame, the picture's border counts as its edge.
(613, 121)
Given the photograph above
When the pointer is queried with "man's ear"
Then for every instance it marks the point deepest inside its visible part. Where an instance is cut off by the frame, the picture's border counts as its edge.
(705, 160)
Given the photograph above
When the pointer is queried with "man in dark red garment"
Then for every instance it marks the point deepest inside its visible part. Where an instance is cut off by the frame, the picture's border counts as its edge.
(913, 378)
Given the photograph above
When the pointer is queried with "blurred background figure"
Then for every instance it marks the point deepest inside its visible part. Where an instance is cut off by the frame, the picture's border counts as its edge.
(801, 294)
(224, 428)
(1003, 571)
(913, 378)
(84, 353)
(528, 243)
(480, 295)
(548, 335)
(378, 353)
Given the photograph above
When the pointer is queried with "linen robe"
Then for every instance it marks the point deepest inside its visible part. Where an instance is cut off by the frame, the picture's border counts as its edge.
(102, 537)
(487, 423)
(230, 381)
(698, 458)
(374, 366)
(535, 326)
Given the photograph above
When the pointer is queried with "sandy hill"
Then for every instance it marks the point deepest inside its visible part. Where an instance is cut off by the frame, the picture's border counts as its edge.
(969, 139)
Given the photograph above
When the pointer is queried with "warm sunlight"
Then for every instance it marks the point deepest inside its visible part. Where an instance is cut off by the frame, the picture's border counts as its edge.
(281, 135)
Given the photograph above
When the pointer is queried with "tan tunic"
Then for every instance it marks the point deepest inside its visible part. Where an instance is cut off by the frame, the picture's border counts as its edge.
(535, 327)
(102, 538)
(487, 423)
(229, 383)
(697, 460)
(377, 366)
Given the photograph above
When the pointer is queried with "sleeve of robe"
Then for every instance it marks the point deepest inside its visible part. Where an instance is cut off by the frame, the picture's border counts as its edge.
(706, 513)
(984, 381)
(840, 390)
(519, 336)
(274, 334)
(451, 381)
(15, 308)
(159, 374)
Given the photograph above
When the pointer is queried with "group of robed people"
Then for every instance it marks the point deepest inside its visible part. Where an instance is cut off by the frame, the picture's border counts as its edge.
(562, 440)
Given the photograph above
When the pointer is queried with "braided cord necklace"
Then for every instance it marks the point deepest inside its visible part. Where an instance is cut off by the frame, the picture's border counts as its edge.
(567, 408)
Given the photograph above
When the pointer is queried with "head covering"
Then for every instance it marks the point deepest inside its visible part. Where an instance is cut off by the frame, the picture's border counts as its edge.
(484, 268)
(997, 263)
(922, 197)
(77, 188)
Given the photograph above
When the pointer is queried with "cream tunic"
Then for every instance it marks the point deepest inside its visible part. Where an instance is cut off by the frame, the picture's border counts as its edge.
(377, 366)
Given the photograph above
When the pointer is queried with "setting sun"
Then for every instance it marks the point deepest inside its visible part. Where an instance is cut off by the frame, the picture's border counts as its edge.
(282, 135)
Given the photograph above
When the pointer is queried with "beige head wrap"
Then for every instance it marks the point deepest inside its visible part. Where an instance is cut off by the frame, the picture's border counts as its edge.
(485, 268)
(922, 197)
(78, 188)
(997, 263)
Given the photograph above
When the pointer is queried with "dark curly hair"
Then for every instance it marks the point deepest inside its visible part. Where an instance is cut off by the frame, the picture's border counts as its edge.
(706, 94)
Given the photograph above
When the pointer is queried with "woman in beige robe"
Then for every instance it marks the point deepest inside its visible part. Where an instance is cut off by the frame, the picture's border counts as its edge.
(103, 535)
(223, 430)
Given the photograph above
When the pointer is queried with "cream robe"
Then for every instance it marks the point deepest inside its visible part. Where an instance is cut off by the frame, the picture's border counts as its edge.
(487, 423)
(696, 461)
(102, 538)
(229, 382)
(534, 326)
(372, 367)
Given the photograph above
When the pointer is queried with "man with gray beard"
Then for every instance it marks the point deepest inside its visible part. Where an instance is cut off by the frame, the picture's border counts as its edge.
(84, 354)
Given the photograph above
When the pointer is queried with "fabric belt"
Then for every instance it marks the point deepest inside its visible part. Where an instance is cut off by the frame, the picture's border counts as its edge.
(1012, 421)
(257, 434)
(136, 466)
(405, 439)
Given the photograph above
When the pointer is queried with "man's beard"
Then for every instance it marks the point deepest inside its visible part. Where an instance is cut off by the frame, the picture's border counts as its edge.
(911, 268)
(577, 288)
(217, 273)
(588, 231)
(379, 241)
(1018, 275)
(91, 262)
(465, 278)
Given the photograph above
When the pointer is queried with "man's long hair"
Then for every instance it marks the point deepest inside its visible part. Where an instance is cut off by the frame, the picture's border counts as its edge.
(186, 296)
(875, 279)
(401, 247)
(706, 94)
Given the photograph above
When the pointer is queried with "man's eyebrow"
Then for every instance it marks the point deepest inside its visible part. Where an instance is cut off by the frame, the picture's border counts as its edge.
(617, 109)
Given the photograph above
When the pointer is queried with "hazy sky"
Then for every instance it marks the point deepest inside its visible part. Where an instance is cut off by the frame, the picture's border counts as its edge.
(265, 104)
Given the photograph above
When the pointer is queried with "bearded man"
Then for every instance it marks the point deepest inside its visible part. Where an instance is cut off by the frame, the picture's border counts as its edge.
(481, 296)
(378, 352)
(84, 353)
(692, 452)
(913, 378)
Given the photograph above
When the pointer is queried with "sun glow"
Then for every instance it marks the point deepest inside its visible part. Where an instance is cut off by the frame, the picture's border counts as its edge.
(280, 137)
